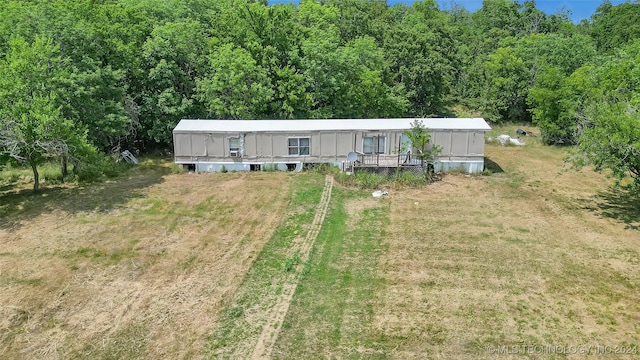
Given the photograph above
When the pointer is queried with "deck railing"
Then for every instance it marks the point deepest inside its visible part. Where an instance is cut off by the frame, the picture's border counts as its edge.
(369, 159)
(408, 160)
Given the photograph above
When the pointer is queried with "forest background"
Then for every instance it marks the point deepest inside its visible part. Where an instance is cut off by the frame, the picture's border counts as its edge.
(83, 79)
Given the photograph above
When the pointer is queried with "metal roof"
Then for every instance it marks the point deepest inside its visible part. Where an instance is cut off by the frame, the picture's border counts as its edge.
(187, 125)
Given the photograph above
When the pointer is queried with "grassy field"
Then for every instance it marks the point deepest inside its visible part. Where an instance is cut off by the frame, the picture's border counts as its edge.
(532, 261)
(137, 267)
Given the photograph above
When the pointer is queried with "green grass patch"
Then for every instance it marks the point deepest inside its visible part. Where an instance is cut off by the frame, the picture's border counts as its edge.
(49, 173)
(242, 321)
(368, 180)
(333, 306)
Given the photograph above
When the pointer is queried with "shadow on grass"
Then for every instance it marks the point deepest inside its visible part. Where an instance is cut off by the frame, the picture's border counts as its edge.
(22, 205)
(621, 204)
(492, 166)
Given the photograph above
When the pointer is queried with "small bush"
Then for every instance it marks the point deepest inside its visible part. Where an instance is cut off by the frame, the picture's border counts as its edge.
(98, 166)
(407, 178)
(322, 168)
(177, 169)
(270, 167)
(370, 180)
(367, 180)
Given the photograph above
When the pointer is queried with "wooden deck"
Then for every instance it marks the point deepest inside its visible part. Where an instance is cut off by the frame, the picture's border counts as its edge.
(380, 160)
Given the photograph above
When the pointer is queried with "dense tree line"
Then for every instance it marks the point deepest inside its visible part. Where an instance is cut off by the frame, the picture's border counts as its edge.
(80, 78)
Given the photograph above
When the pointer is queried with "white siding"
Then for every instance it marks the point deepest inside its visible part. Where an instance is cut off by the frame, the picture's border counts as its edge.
(280, 144)
(250, 145)
(458, 143)
(265, 145)
(344, 145)
(326, 145)
(198, 144)
(476, 143)
(443, 139)
(316, 144)
(182, 144)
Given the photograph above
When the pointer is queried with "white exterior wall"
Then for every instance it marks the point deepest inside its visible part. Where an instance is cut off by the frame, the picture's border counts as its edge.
(461, 149)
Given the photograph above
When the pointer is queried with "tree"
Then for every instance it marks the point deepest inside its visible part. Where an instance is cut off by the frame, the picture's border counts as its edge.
(607, 99)
(273, 37)
(615, 26)
(500, 14)
(360, 18)
(38, 134)
(508, 78)
(610, 139)
(173, 57)
(32, 126)
(420, 139)
(514, 70)
(560, 101)
(367, 95)
(237, 87)
(96, 102)
(421, 55)
(549, 101)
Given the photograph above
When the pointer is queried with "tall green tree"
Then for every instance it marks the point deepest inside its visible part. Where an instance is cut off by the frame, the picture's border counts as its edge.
(173, 58)
(610, 140)
(551, 107)
(32, 126)
(273, 36)
(237, 87)
(499, 14)
(551, 99)
(508, 78)
(421, 54)
(615, 26)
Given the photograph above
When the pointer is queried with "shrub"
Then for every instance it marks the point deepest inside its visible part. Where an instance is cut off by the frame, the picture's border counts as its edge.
(270, 167)
(98, 166)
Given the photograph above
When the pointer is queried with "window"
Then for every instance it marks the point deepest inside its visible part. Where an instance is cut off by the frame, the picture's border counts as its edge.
(373, 144)
(234, 144)
(299, 146)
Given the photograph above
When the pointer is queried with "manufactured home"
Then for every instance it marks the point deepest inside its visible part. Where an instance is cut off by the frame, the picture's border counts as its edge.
(249, 145)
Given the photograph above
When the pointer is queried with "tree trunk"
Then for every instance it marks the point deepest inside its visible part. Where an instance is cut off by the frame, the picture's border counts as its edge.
(36, 177)
(63, 167)
(74, 171)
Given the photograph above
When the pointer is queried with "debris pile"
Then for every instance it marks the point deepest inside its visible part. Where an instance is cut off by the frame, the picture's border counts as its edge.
(379, 193)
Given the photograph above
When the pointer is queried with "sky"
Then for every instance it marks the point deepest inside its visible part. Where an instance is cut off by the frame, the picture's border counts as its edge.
(579, 9)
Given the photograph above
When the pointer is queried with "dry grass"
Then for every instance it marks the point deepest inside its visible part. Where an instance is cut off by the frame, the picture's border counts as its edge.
(135, 268)
(510, 259)
(166, 266)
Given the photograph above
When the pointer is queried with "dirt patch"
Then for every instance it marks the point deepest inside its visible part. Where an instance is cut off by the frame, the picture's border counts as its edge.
(356, 207)
(147, 278)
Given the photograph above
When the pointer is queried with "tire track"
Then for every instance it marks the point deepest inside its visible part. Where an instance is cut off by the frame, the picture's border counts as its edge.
(271, 329)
